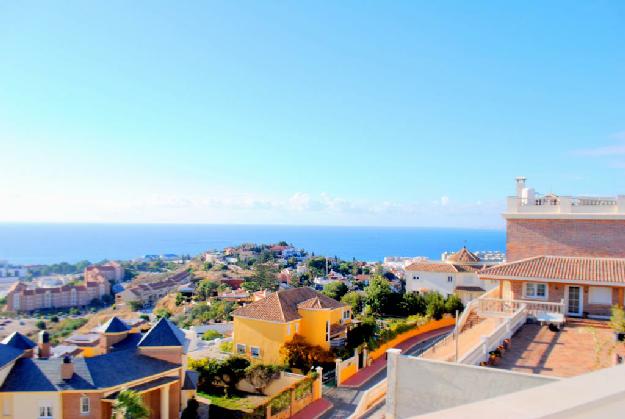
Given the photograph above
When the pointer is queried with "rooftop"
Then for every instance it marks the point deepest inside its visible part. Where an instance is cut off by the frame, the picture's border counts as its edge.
(586, 269)
(282, 306)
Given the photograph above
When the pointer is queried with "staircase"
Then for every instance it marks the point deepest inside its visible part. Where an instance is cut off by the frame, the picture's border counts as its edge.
(472, 319)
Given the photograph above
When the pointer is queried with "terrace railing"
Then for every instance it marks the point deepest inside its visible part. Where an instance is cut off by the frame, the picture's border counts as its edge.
(505, 330)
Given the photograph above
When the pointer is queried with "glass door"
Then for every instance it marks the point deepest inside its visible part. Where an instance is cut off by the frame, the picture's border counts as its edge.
(574, 304)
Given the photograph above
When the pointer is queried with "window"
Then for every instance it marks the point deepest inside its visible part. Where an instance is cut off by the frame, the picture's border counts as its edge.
(288, 329)
(84, 405)
(600, 295)
(450, 279)
(346, 315)
(45, 411)
(535, 290)
(327, 330)
(255, 351)
(415, 277)
(240, 349)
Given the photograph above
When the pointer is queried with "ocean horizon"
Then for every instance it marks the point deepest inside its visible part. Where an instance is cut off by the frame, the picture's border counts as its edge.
(46, 243)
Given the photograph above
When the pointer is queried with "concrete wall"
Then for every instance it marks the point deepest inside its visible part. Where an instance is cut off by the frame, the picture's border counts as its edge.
(598, 238)
(417, 386)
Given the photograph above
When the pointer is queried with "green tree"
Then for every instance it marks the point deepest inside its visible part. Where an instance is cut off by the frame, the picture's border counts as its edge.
(377, 294)
(335, 290)
(355, 300)
(317, 265)
(206, 288)
(264, 277)
(191, 411)
(162, 312)
(136, 305)
(41, 325)
(129, 404)
(453, 303)
(435, 305)
(179, 299)
(261, 375)
(413, 303)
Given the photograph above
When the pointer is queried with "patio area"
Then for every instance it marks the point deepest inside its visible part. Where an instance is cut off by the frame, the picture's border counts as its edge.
(580, 347)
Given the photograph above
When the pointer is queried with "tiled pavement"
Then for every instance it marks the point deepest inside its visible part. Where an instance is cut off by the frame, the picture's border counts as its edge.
(582, 346)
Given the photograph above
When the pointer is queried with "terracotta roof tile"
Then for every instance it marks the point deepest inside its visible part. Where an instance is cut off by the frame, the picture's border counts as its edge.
(282, 306)
(432, 267)
(463, 255)
(588, 269)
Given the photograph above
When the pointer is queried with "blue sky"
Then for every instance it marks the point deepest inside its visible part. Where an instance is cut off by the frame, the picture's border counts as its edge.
(346, 113)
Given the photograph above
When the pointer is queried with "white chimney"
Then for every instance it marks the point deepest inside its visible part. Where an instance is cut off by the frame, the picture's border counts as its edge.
(520, 185)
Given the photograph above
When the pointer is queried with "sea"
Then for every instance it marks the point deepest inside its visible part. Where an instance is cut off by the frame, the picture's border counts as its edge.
(34, 243)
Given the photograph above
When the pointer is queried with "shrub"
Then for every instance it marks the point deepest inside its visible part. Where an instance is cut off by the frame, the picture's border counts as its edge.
(281, 402)
(211, 334)
(41, 325)
(303, 389)
(162, 312)
(260, 375)
(617, 320)
(300, 354)
(226, 347)
(452, 304)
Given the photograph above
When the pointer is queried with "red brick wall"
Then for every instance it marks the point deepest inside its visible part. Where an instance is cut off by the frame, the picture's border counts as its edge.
(71, 405)
(599, 238)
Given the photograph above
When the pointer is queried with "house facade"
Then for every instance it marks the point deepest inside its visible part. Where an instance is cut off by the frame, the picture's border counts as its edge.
(149, 293)
(456, 274)
(263, 327)
(23, 296)
(154, 365)
(563, 249)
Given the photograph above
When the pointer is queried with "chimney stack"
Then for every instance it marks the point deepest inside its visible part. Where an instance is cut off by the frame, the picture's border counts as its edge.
(67, 368)
(44, 344)
(520, 185)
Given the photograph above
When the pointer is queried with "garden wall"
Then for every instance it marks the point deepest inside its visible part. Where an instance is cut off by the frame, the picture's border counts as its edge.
(428, 327)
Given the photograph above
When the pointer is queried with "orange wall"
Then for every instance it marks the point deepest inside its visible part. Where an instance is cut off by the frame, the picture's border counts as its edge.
(428, 327)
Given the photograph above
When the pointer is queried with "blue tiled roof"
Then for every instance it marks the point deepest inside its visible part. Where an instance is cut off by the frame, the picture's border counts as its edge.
(8, 354)
(129, 343)
(19, 341)
(102, 371)
(190, 380)
(114, 325)
(163, 333)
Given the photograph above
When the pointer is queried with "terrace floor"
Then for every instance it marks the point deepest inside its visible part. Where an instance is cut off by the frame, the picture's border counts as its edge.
(580, 347)
(467, 340)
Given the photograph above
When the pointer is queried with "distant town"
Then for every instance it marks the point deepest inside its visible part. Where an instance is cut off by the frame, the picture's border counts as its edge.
(272, 330)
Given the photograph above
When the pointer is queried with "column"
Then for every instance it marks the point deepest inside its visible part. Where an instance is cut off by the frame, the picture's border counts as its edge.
(392, 357)
(165, 402)
(319, 380)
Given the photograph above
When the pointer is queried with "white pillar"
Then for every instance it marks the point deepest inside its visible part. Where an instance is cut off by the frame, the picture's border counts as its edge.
(320, 378)
(337, 371)
(392, 357)
(165, 402)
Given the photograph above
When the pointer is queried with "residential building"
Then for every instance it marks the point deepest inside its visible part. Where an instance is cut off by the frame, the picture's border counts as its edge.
(8, 270)
(112, 271)
(153, 364)
(148, 293)
(263, 327)
(558, 225)
(564, 249)
(23, 296)
(456, 274)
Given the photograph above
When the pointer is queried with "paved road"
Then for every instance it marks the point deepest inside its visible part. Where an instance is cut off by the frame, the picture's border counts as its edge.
(346, 399)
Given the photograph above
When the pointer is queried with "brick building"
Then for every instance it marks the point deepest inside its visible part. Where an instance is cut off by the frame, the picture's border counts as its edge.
(559, 225)
(563, 249)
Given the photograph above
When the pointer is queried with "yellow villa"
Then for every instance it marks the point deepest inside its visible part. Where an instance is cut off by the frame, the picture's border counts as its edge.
(262, 327)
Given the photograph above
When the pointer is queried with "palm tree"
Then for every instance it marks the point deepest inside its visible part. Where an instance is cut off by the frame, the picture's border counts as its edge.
(129, 405)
